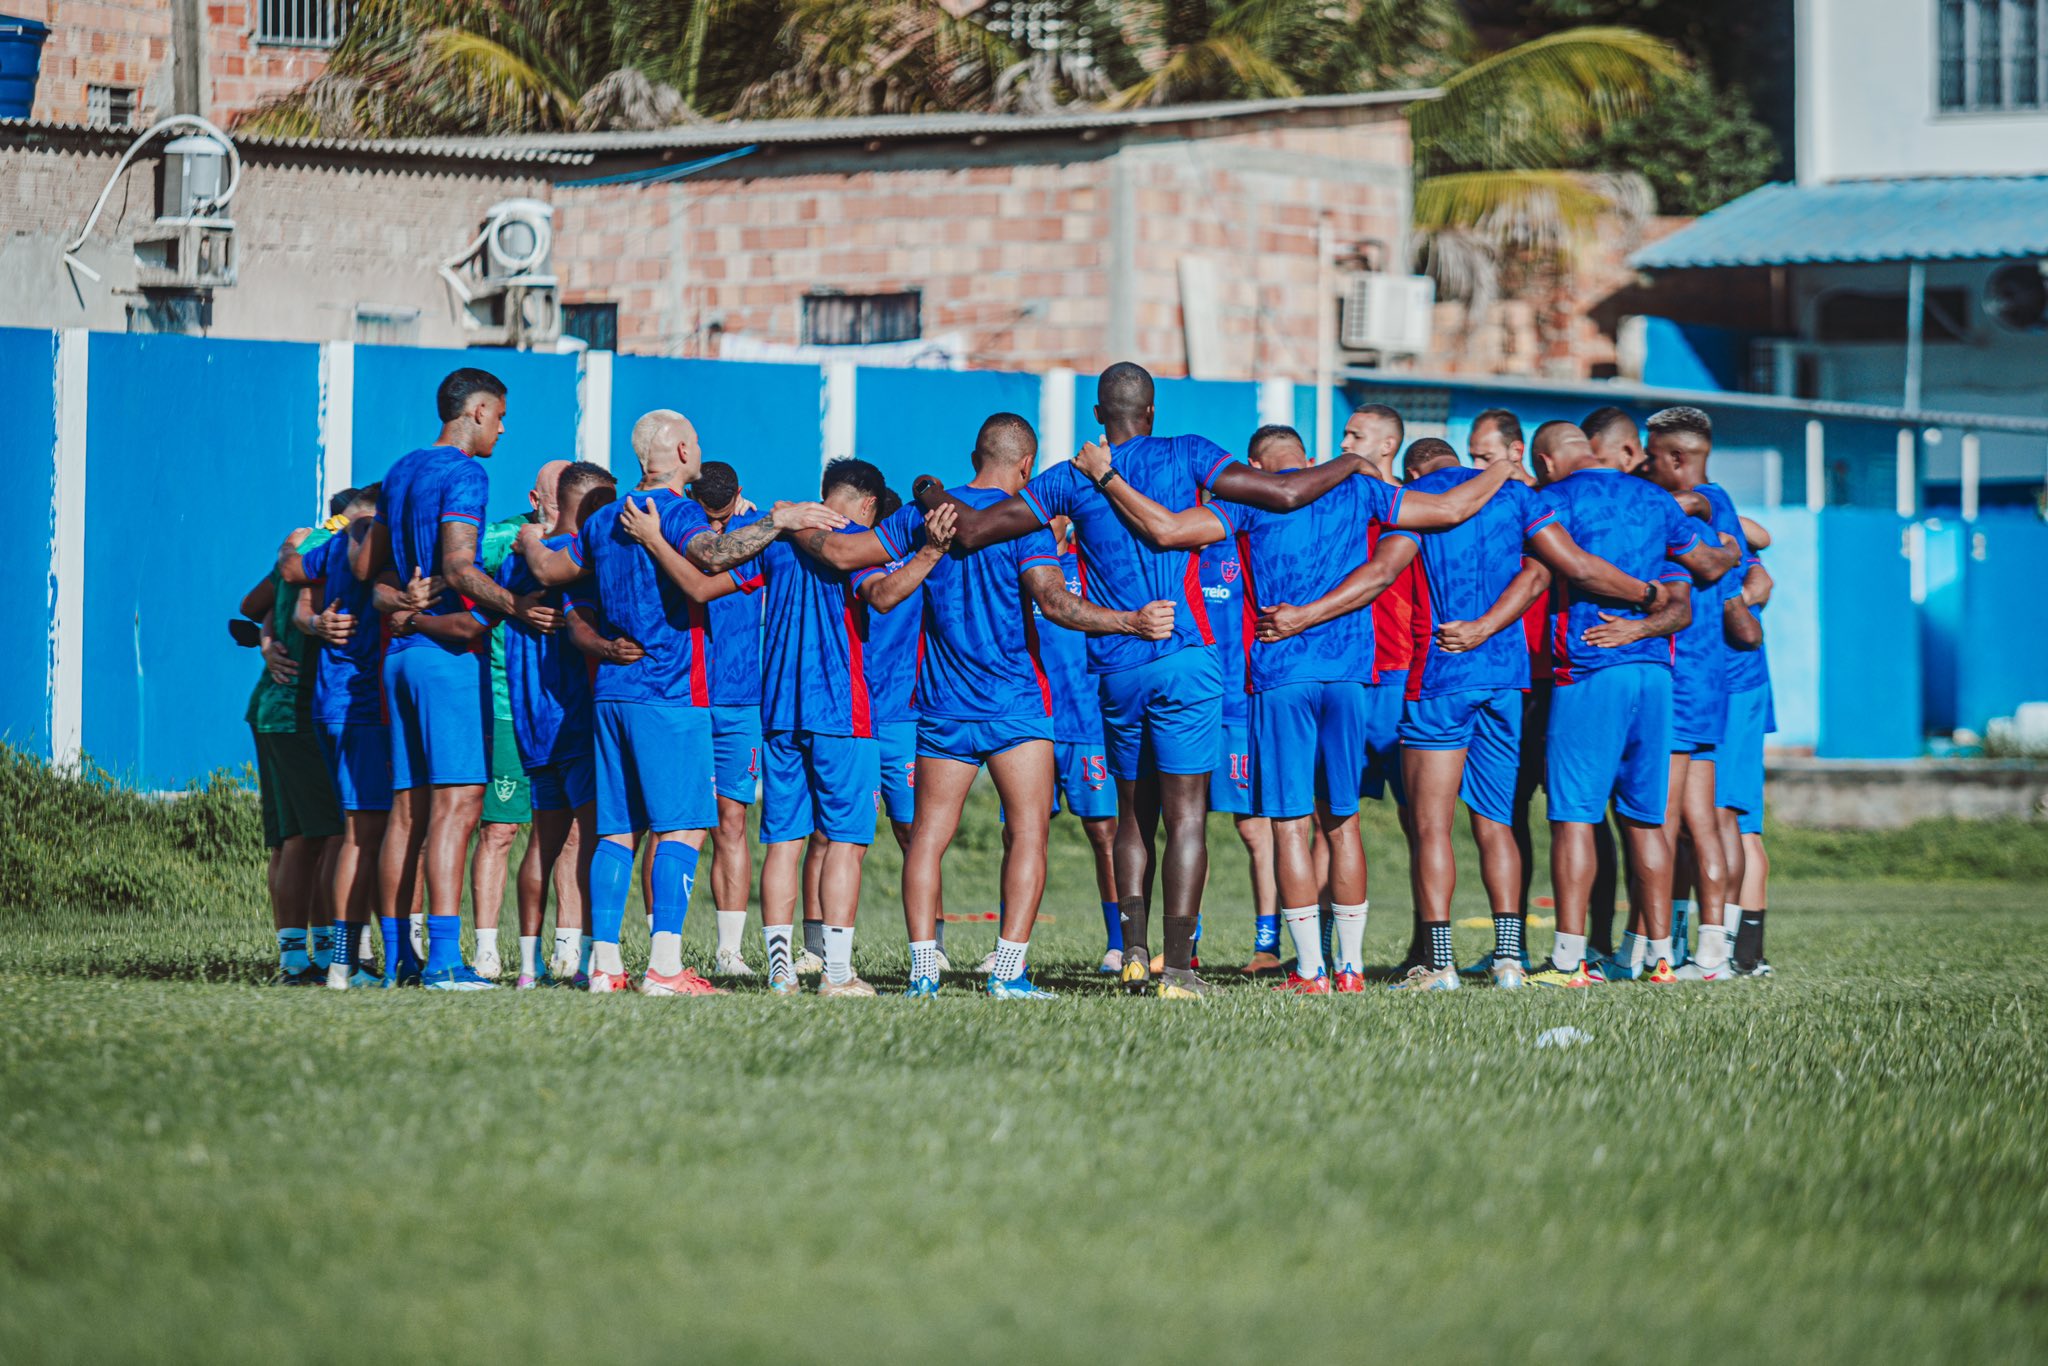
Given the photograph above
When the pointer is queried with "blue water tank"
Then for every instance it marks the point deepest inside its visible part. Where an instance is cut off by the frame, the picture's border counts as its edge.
(21, 57)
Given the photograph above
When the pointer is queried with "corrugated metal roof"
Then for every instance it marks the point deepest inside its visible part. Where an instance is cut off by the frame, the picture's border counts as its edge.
(447, 149)
(1925, 219)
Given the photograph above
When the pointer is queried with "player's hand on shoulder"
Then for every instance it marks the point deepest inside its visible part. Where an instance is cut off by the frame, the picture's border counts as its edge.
(421, 593)
(640, 521)
(533, 612)
(806, 517)
(1281, 620)
(1154, 621)
(1093, 458)
(1456, 637)
(939, 525)
(279, 662)
(334, 625)
(528, 539)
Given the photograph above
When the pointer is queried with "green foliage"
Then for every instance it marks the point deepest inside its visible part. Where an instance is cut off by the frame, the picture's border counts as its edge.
(1697, 145)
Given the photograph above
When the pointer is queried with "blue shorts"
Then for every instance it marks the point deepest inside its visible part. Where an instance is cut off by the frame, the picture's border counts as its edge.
(1082, 772)
(565, 785)
(654, 769)
(899, 769)
(736, 751)
(1164, 716)
(1487, 725)
(440, 717)
(972, 742)
(1699, 713)
(1739, 772)
(1384, 702)
(1307, 739)
(1610, 737)
(818, 782)
(359, 757)
(1230, 782)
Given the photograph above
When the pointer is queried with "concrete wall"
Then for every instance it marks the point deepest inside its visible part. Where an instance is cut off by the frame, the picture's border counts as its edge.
(1866, 100)
(1885, 796)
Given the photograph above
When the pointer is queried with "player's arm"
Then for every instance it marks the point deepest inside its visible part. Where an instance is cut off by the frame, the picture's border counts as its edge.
(1582, 569)
(1189, 529)
(1707, 563)
(1757, 584)
(973, 528)
(466, 576)
(1531, 583)
(593, 643)
(457, 630)
(277, 660)
(1740, 627)
(1754, 534)
(884, 592)
(643, 524)
(1048, 588)
(1238, 482)
(1433, 511)
(257, 602)
(1671, 614)
(1358, 589)
(371, 556)
(715, 552)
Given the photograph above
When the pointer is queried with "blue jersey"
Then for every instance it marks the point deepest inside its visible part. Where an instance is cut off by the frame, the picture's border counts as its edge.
(1634, 526)
(348, 688)
(891, 656)
(1063, 652)
(734, 639)
(422, 491)
(1460, 572)
(1297, 557)
(1120, 569)
(547, 679)
(639, 602)
(1223, 592)
(981, 652)
(1699, 653)
(814, 639)
(1747, 668)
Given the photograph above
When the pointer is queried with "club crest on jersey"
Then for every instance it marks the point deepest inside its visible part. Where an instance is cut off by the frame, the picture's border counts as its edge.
(507, 788)
(1230, 571)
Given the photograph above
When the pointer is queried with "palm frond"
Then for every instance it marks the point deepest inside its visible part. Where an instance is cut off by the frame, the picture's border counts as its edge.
(508, 88)
(1545, 212)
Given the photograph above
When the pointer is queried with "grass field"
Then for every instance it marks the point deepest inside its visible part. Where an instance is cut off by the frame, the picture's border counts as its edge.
(1846, 1162)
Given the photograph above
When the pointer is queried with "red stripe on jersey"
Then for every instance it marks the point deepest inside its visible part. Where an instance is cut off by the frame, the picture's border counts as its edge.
(700, 675)
(1560, 636)
(1248, 606)
(1191, 589)
(1031, 649)
(856, 617)
(1536, 635)
(1421, 626)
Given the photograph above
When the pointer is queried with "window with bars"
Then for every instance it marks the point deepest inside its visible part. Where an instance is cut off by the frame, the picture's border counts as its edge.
(1988, 55)
(862, 319)
(302, 23)
(1039, 25)
(110, 106)
(596, 325)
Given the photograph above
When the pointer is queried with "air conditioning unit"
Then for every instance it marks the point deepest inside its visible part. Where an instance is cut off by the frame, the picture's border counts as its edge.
(502, 282)
(1390, 314)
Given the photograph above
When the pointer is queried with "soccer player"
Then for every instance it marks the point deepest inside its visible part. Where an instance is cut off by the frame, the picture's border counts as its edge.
(1610, 712)
(655, 771)
(507, 798)
(1230, 782)
(1739, 776)
(1680, 441)
(300, 812)
(1307, 667)
(428, 518)
(1162, 701)
(1497, 435)
(553, 720)
(1080, 759)
(734, 643)
(341, 612)
(983, 699)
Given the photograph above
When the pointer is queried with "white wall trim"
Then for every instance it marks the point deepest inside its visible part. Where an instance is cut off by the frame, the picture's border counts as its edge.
(836, 399)
(1907, 491)
(337, 420)
(1276, 402)
(594, 408)
(67, 552)
(1056, 443)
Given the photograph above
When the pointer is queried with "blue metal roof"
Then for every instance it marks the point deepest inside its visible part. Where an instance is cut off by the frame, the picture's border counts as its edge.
(1928, 219)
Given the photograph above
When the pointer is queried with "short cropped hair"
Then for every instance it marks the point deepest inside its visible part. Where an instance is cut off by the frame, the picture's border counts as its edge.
(343, 501)
(462, 385)
(1600, 419)
(848, 472)
(575, 482)
(1693, 421)
(1271, 432)
(1501, 420)
(888, 504)
(1385, 414)
(716, 484)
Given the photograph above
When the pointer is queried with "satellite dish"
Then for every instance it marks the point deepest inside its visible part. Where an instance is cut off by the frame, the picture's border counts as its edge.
(2016, 295)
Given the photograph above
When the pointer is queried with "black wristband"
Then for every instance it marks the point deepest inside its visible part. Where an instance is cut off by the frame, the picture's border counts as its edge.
(1649, 597)
(1102, 484)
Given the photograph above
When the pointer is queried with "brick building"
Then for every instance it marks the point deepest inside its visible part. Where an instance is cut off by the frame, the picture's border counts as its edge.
(113, 62)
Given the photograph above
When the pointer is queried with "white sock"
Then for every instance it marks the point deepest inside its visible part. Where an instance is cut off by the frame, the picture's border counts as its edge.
(650, 924)
(589, 947)
(1304, 923)
(419, 935)
(732, 930)
(1568, 950)
(1713, 949)
(1659, 949)
(566, 946)
(529, 950)
(1009, 959)
(665, 955)
(1632, 946)
(780, 966)
(605, 958)
(924, 959)
(486, 943)
(839, 954)
(1350, 936)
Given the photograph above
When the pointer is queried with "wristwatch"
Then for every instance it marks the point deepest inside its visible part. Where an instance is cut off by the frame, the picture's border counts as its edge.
(1111, 473)
(1649, 597)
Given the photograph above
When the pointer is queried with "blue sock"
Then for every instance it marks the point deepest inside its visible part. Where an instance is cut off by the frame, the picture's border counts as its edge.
(611, 882)
(1266, 934)
(1198, 928)
(341, 944)
(675, 874)
(387, 926)
(1113, 926)
(291, 951)
(320, 944)
(444, 943)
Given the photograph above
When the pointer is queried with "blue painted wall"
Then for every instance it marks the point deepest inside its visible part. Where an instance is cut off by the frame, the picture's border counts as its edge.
(1941, 623)
(394, 412)
(1793, 629)
(760, 418)
(2002, 655)
(28, 485)
(1870, 697)
(200, 456)
(913, 422)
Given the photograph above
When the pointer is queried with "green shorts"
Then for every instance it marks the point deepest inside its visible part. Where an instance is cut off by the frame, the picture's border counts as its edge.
(296, 789)
(506, 796)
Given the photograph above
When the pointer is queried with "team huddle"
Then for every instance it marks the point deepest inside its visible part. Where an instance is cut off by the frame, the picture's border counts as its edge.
(1146, 632)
